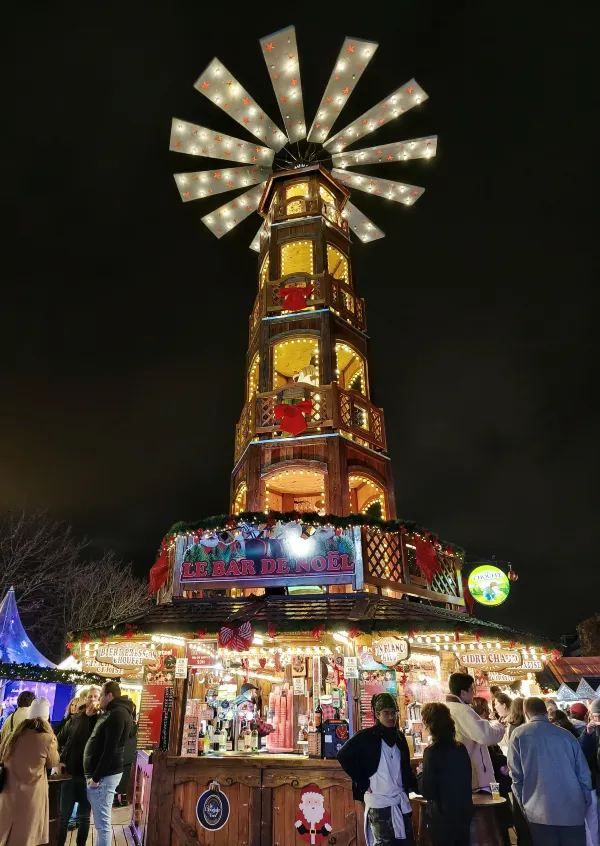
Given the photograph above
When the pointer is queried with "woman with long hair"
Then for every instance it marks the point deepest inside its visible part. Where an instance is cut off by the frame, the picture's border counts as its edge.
(26, 754)
(446, 780)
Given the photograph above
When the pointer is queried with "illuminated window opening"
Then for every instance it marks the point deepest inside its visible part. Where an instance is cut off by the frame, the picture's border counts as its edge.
(264, 271)
(297, 257)
(337, 264)
(253, 377)
(366, 497)
(239, 502)
(300, 189)
(296, 360)
(326, 195)
(350, 370)
(296, 489)
(297, 206)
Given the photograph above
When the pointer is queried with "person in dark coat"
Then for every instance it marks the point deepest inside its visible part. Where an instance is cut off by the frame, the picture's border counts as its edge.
(590, 746)
(378, 762)
(72, 739)
(103, 757)
(446, 780)
(129, 756)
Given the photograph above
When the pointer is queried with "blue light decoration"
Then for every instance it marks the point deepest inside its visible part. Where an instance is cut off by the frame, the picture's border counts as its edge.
(15, 644)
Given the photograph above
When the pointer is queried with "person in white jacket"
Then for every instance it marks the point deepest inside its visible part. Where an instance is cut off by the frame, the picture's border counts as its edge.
(472, 731)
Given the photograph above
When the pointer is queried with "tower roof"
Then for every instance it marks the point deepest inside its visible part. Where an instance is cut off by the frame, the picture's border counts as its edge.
(15, 644)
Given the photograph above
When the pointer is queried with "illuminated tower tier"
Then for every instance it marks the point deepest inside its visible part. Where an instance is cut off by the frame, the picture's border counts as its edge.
(307, 365)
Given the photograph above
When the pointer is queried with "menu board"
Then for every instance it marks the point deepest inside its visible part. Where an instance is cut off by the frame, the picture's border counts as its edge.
(191, 728)
(371, 683)
(157, 700)
(165, 723)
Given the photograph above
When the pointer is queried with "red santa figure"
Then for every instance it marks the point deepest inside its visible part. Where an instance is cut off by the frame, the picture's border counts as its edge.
(312, 820)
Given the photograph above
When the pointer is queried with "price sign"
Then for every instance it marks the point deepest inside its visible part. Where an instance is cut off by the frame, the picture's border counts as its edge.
(350, 667)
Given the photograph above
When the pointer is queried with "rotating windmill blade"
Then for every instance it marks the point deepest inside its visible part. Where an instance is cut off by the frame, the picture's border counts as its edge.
(258, 161)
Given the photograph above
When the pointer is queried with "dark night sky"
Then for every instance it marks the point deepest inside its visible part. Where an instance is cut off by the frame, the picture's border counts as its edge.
(123, 321)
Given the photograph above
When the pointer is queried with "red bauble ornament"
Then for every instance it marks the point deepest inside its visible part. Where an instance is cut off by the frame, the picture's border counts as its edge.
(512, 575)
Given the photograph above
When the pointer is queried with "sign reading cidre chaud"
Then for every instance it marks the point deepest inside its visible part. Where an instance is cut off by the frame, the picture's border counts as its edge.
(283, 554)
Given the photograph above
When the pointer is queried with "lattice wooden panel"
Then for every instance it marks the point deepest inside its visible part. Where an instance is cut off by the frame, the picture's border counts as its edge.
(445, 581)
(383, 555)
(345, 410)
(265, 407)
(376, 427)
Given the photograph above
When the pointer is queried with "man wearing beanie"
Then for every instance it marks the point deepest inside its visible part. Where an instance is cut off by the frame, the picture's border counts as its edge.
(578, 716)
(378, 762)
(590, 745)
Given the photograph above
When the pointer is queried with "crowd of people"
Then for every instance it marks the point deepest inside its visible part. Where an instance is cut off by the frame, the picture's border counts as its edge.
(544, 764)
(94, 745)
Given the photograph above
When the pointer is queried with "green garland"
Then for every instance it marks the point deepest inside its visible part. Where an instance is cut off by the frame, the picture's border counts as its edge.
(33, 673)
(222, 521)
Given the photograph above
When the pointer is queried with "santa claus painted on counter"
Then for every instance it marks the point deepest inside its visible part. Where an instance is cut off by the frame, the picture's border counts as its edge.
(312, 820)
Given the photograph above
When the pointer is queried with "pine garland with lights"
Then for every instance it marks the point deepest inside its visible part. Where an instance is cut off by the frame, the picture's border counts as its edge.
(223, 522)
(33, 673)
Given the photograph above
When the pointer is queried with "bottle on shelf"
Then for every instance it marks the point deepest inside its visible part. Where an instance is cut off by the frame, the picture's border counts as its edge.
(254, 739)
(318, 717)
(201, 738)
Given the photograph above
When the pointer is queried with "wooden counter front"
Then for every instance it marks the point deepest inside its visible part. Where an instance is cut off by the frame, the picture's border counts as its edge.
(264, 794)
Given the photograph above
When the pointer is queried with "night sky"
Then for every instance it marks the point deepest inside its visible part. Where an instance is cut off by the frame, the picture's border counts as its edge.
(123, 321)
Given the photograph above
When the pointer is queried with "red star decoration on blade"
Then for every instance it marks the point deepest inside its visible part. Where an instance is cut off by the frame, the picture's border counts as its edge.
(350, 48)
(186, 195)
(365, 122)
(410, 89)
(217, 174)
(389, 157)
(270, 46)
(218, 138)
(328, 99)
(258, 149)
(380, 121)
(291, 56)
(225, 105)
(229, 183)
(283, 99)
(205, 85)
(177, 145)
(253, 159)
(246, 101)
(346, 90)
(246, 119)
(294, 82)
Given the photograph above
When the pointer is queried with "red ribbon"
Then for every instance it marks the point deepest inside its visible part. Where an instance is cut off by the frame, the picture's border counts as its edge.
(159, 572)
(317, 632)
(354, 633)
(427, 558)
(272, 630)
(291, 417)
(457, 634)
(295, 299)
(238, 638)
(130, 630)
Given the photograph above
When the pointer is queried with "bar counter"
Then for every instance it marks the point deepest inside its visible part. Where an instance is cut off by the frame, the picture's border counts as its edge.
(264, 792)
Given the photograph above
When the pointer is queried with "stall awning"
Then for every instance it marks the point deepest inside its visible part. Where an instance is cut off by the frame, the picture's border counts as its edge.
(366, 611)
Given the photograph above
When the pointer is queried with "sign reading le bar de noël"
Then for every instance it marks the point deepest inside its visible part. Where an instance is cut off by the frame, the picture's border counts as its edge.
(280, 555)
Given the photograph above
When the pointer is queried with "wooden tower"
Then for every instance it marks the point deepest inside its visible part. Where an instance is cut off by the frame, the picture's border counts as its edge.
(308, 350)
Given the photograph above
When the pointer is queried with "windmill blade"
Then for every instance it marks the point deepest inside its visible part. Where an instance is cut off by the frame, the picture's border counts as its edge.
(225, 218)
(360, 224)
(280, 52)
(255, 243)
(400, 192)
(399, 151)
(227, 93)
(353, 58)
(203, 183)
(402, 100)
(201, 141)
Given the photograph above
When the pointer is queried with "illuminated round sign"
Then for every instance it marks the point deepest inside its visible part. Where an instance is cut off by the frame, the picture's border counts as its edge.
(488, 585)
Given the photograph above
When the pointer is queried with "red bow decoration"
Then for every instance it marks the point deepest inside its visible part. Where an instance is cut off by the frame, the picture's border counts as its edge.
(317, 632)
(478, 636)
(291, 417)
(159, 572)
(200, 633)
(512, 644)
(353, 633)
(239, 638)
(272, 630)
(86, 637)
(457, 634)
(295, 299)
(69, 645)
(403, 679)
(103, 637)
(555, 654)
(130, 630)
(412, 632)
(277, 660)
(427, 558)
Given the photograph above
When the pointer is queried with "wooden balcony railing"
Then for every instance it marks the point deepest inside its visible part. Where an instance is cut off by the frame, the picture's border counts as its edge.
(332, 408)
(327, 292)
(388, 564)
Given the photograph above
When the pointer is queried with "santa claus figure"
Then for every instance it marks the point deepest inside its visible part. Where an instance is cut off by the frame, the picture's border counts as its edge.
(312, 820)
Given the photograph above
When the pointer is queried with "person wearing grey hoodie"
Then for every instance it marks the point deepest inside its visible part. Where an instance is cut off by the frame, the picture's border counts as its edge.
(551, 778)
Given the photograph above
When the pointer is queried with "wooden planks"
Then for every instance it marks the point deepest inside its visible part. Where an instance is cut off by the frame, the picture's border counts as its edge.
(121, 833)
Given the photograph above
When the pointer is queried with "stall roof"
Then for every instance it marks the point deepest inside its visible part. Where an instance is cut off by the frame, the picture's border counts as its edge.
(365, 610)
(15, 645)
(572, 670)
